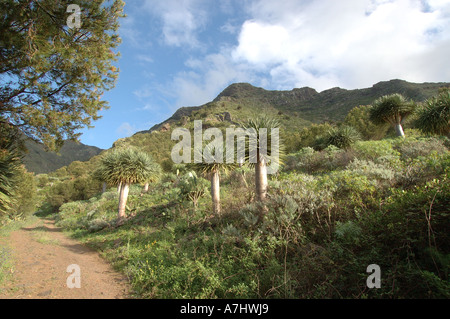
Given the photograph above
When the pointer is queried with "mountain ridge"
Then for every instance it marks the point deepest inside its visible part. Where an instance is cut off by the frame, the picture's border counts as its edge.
(296, 109)
(328, 105)
(39, 161)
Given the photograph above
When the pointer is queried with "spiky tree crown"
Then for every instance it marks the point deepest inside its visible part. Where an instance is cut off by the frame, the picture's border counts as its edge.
(391, 108)
(434, 117)
(342, 137)
(207, 165)
(254, 126)
(127, 166)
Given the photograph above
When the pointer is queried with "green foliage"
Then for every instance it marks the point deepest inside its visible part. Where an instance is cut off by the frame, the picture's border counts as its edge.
(26, 197)
(392, 109)
(359, 118)
(9, 167)
(372, 170)
(17, 186)
(375, 150)
(309, 161)
(54, 76)
(342, 137)
(310, 136)
(412, 148)
(434, 116)
(193, 187)
(328, 215)
(61, 192)
(127, 166)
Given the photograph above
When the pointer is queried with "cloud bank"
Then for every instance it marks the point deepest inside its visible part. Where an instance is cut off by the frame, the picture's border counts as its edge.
(292, 43)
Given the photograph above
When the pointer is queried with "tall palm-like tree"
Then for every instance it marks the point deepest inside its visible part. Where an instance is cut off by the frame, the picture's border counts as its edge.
(124, 167)
(259, 150)
(392, 109)
(213, 169)
(434, 117)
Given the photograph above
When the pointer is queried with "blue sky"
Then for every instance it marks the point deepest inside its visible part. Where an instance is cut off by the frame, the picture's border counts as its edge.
(185, 52)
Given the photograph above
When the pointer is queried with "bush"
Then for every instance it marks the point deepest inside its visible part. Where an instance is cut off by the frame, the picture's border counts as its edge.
(81, 188)
(193, 187)
(412, 148)
(372, 170)
(342, 137)
(358, 118)
(412, 229)
(372, 150)
(309, 161)
(353, 193)
(424, 168)
(311, 136)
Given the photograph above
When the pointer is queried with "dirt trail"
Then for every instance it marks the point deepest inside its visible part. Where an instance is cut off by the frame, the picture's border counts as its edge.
(42, 253)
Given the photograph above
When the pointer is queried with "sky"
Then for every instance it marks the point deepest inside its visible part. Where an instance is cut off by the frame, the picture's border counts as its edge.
(178, 53)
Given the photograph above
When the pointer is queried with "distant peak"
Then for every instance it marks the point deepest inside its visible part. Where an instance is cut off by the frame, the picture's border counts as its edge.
(238, 90)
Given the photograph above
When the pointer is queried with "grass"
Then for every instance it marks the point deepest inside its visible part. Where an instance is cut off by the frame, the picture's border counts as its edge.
(6, 264)
(45, 239)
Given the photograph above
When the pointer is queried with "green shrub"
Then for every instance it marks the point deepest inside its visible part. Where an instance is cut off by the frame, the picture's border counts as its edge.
(342, 137)
(413, 230)
(372, 170)
(412, 148)
(193, 187)
(424, 168)
(309, 161)
(353, 193)
(358, 118)
(372, 150)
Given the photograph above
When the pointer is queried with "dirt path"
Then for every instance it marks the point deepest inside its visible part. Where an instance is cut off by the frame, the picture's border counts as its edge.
(42, 254)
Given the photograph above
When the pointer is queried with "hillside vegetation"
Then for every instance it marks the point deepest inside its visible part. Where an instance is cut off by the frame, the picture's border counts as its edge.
(349, 194)
(330, 214)
(38, 160)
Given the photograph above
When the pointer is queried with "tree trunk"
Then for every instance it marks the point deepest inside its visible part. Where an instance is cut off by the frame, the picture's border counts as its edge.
(261, 180)
(215, 192)
(103, 187)
(145, 187)
(399, 130)
(123, 201)
(119, 188)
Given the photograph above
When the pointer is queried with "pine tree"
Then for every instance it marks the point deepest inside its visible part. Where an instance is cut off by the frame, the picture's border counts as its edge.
(53, 76)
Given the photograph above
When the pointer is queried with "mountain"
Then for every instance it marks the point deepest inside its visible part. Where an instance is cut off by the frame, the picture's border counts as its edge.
(38, 161)
(306, 104)
(295, 109)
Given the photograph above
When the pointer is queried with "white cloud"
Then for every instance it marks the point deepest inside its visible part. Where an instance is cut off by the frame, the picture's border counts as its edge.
(207, 77)
(292, 43)
(181, 20)
(349, 43)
